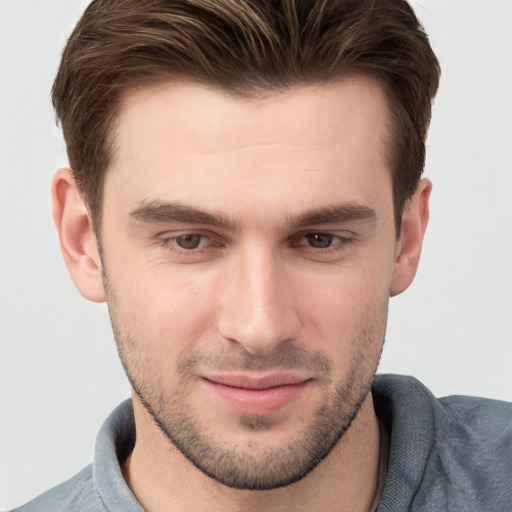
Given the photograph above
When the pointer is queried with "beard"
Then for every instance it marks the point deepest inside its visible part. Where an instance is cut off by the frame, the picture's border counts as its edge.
(253, 465)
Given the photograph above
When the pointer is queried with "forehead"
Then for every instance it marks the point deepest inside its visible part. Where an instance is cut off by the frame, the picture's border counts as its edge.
(188, 142)
(198, 109)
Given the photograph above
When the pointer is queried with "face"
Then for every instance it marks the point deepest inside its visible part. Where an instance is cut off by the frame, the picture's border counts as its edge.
(248, 251)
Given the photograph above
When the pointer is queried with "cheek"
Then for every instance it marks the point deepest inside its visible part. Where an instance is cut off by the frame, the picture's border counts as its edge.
(164, 311)
(346, 308)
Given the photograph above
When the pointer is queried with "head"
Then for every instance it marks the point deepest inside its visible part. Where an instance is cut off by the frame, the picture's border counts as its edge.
(246, 49)
(251, 173)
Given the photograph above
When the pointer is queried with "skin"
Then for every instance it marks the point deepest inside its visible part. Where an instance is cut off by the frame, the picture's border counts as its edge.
(294, 280)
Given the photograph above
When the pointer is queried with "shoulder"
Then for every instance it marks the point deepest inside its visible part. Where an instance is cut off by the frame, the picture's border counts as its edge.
(452, 453)
(481, 417)
(478, 432)
(453, 420)
(473, 453)
(76, 494)
(99, 487)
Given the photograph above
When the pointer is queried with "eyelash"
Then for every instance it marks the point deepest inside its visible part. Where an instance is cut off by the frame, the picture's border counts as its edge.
(339, 243)
(335, 247)
(169, 243)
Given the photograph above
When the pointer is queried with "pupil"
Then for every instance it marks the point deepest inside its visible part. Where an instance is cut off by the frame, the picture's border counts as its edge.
(320, 240)
(188, 241)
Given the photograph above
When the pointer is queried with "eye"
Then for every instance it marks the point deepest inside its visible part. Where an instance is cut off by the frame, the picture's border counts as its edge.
(321, 240)
(190, 246)
(191, 241)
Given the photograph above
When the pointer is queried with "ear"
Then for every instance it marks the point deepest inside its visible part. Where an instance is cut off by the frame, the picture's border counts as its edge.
(77, 239)
(408, 249)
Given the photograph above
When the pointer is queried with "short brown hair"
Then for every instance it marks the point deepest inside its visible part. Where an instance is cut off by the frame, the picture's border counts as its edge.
(245, 47)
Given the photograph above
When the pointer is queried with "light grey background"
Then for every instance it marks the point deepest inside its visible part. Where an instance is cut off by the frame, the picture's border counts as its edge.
(59, 373)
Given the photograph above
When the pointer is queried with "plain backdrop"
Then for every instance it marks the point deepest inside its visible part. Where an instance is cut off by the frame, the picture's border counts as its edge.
(59, 373)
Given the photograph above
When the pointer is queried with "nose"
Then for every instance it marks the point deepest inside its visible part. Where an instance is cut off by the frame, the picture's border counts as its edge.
(256, 302)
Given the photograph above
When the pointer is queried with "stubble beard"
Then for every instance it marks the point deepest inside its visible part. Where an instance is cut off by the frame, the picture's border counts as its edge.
(253, 466)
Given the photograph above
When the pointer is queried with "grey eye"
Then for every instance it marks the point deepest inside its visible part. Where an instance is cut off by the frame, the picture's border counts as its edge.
(319, 240)
(191, 241)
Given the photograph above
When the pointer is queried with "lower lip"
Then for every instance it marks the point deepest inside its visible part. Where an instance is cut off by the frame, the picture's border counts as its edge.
(258, 401)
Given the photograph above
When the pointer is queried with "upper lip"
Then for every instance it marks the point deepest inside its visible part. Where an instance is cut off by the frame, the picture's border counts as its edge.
(248, 381)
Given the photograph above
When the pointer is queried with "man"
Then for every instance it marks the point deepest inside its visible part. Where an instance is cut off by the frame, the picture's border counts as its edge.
(246, 196)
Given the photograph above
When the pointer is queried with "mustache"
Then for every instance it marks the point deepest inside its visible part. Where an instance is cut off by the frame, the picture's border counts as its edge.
(285, 357)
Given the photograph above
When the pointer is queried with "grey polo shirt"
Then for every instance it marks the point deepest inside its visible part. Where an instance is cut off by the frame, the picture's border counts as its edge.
(451, 454)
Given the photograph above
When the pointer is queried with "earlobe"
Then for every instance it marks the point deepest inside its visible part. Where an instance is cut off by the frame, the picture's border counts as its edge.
(77, 239)
(414, 224)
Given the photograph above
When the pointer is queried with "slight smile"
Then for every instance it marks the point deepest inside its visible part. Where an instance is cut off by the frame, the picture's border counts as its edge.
(264, 394)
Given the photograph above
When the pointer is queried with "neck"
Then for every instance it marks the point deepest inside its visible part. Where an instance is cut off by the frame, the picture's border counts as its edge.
(161, 478)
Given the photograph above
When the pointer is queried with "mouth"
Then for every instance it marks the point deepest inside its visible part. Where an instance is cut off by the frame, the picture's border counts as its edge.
(257, 394)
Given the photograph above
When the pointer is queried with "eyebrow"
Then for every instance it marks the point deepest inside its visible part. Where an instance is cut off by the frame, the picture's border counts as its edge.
(157, 211)
(339, 213)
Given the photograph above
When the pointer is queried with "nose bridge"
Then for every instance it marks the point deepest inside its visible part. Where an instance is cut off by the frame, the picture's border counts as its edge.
(257, 309)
